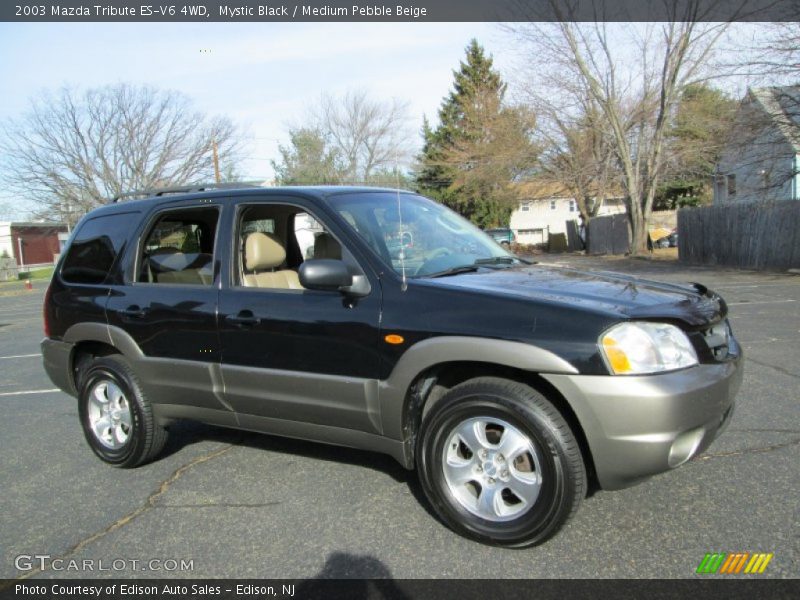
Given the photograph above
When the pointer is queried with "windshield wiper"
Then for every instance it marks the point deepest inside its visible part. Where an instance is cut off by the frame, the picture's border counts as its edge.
(496, 260)
(453, 271)
(502, 260)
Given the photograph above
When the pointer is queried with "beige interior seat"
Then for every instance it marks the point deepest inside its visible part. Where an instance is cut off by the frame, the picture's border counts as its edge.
(263, 254)
(173, 266)
(326, 246)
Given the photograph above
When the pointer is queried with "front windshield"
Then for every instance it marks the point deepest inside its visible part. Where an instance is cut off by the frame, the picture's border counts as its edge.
(416, 236)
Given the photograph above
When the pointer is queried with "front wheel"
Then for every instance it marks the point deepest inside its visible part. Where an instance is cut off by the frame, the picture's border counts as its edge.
(116, 416)
(499, 463)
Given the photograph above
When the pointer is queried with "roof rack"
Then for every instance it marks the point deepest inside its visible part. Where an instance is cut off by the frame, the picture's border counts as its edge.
(186, 189)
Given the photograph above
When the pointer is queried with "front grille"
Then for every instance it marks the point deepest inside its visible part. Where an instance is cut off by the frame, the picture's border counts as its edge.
(717, 338)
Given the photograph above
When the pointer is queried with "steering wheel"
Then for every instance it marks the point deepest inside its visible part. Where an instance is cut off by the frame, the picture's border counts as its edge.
(431, 257)
(437, 253)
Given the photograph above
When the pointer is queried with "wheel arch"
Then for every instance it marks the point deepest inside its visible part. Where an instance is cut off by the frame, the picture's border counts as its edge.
(90, 340)
(461, 359)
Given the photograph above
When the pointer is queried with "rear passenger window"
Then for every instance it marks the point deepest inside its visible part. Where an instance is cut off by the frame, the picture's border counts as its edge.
(179, 249)
(95, 248)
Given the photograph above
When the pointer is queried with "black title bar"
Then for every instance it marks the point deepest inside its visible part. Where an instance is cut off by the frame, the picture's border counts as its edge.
(144, 11)
(389, 589)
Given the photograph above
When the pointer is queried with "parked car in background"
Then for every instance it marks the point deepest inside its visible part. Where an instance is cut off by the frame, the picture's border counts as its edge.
(673, 239)
(667, 241)
(501, 235)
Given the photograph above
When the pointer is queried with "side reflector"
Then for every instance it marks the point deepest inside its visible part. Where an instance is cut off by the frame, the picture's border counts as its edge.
(393, 338)
(617, 358)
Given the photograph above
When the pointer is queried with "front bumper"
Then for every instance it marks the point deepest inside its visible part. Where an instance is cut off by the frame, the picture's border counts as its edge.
(638, 426)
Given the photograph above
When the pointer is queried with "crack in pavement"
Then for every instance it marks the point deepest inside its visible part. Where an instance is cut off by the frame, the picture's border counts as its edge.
(757, 450)
(148, 505)
(769, 366)
(221, 505)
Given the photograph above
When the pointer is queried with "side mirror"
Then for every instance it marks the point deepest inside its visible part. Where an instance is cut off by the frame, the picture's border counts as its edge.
(332, 275)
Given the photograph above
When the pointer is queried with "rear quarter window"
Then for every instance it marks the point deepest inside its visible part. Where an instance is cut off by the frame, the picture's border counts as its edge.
(96, 245)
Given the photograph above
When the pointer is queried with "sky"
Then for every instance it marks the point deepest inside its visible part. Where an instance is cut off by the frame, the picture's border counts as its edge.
(261, 75)
(264, 76)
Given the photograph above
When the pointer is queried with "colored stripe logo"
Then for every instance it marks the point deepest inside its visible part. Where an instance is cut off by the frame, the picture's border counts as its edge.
(734, 563)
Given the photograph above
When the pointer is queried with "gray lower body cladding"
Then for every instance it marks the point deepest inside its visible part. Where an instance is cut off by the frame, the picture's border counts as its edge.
(638, 426)
(635, 426)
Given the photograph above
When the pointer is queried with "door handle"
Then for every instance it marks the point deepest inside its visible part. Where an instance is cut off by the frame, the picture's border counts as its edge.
(243, 319)
(134, 312)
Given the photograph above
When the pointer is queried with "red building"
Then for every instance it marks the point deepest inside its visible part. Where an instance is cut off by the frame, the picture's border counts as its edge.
(30, 243)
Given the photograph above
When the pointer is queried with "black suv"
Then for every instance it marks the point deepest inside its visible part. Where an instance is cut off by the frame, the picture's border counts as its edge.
(511, 387)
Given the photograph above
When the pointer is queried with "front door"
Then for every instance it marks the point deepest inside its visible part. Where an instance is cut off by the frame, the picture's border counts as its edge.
(289, 353)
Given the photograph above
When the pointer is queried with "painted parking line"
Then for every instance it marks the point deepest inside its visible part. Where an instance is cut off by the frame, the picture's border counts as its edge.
(750, 284)
(27, 392)
(760, 302)
(19, 356)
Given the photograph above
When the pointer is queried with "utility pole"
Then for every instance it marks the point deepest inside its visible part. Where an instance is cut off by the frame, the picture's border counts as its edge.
(216, 161)
(21, 255)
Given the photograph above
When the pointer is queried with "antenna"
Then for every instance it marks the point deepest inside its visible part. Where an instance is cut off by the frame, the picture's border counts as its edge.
(404, 287)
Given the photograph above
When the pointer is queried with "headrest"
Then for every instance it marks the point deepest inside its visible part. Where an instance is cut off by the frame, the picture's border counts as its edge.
(263, 251)
(326, 246)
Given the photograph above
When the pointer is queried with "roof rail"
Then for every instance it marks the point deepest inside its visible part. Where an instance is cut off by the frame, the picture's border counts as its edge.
(186, 189)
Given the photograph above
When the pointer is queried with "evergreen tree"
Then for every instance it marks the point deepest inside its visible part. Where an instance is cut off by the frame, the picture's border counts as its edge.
(307, 160)
(700, 128)
(472, 158)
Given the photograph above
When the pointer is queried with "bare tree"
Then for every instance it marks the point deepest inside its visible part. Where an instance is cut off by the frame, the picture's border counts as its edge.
(634, 73)
(369, 137)
(578, 154)
(71, 151)
(771, 57)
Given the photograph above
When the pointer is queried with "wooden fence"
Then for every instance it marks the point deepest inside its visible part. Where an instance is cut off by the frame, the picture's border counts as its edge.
(608, 235)
(747, 235)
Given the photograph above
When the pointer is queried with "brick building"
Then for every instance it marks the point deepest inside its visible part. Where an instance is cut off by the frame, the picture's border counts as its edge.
(30, 243)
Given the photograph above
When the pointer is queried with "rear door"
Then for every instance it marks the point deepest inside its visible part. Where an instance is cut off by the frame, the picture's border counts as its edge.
(168, 305)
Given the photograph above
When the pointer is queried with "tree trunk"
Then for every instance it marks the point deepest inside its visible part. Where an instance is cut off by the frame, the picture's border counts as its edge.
(638, 228)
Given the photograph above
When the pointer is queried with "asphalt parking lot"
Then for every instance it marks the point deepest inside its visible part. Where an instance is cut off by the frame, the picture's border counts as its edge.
(244, 505)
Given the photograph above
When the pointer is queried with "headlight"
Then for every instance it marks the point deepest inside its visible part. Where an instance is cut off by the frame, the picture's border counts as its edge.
(640, 347)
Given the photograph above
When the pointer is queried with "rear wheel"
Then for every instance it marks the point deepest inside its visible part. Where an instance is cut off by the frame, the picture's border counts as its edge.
(116, 416)
(499, 463)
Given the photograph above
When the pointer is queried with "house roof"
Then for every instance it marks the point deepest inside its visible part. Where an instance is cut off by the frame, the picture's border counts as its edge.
(782, 106)
(33, 224)
(541, 189)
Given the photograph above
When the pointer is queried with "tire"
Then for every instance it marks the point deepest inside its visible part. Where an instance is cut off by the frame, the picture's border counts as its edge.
(518, 499)
(116, 416)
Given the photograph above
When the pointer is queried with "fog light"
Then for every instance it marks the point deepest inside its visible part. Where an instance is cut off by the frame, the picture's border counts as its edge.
(685, 446)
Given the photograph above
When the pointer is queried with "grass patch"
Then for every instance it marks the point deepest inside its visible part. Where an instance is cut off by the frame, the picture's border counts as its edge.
(37, 275)
(45, 273)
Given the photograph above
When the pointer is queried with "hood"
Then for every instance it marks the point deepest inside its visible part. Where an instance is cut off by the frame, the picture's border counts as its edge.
(611, 293)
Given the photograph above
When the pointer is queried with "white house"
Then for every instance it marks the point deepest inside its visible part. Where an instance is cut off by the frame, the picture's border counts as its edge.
(761, 161)
(548, 210)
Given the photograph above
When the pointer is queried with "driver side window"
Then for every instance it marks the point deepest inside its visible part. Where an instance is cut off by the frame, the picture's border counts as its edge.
(274, 240)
